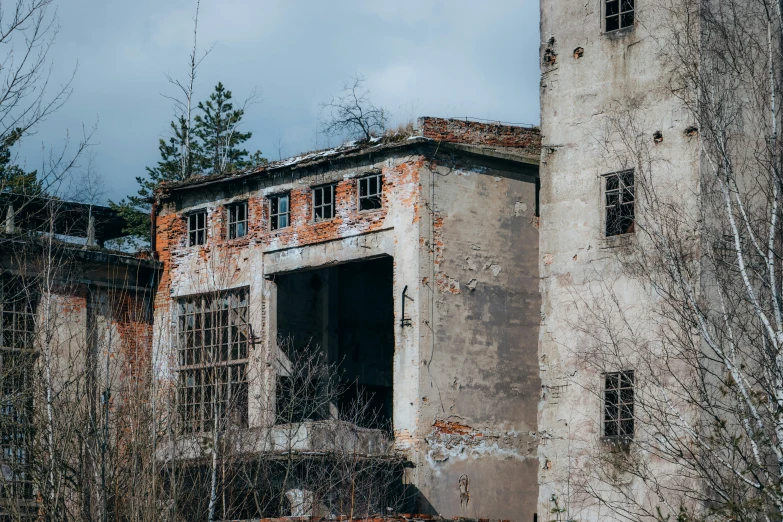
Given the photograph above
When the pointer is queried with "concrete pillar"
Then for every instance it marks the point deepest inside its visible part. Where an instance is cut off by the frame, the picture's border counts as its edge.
(91, 231)
(10, 227)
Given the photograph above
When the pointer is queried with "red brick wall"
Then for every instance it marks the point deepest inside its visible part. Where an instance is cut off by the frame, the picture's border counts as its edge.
(475, 133)
(400, 187)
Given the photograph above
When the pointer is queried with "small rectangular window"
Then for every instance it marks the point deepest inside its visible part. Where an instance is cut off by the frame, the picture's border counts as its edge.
(279, 211)
(618, 405)
(237, 220)
(619, 14)
(370, 189)
(197, 228)
(323, 203)
(619, 203)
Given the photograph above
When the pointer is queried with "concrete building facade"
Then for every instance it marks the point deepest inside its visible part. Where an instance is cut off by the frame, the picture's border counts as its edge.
(75, 340)
(411, 262)
(606, 109)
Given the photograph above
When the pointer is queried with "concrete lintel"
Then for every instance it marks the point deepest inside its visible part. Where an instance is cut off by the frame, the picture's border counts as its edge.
(344, 250)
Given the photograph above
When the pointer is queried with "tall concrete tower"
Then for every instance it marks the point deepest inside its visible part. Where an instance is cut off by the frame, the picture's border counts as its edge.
(604, 98)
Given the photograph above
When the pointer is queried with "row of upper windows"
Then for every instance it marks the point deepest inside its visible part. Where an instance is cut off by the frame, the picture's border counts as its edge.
(323, 209)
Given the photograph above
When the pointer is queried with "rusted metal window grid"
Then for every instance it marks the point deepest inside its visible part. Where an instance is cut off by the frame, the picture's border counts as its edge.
(618, 422)
(370, 189)
(17, 354)
(197, 228)
(213, 357)
(237, 220)
(619, 193)
(279, 211)
(619, 14)
(323, 203)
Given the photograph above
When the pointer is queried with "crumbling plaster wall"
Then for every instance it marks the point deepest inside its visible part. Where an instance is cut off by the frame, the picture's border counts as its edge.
(253, 261)
(464, 242)
(594, 88)
(479, 381)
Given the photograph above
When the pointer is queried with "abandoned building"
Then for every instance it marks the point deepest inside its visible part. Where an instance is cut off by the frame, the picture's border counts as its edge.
(75, 336)
(408, 265)
(601, 74)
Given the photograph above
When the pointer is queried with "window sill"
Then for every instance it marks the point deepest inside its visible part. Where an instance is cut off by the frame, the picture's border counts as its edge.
(620, 443)
(618, 241)
(620, 33)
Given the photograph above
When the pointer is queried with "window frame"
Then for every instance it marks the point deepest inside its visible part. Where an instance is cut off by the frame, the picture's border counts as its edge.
(274, 218)
(379, 194)
(622, 11)
(193, 240)
(331, 205)
(620, 431)
(213, 354)
(622, 190)
(233, 221)
(17, 356)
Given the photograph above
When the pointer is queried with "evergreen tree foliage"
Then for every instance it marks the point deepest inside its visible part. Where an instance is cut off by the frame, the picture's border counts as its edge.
(217, 129)
(213, 147)
(12, 177)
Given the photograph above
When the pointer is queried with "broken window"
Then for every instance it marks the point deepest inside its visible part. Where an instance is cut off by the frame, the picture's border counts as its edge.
(213, 354)
(619, 14)
(618, 405)
(16, 399)
(237, 220)
(197, 228)
(323, 203)
(18, 311)
(370, 188)
(619, 194)
(279, 211)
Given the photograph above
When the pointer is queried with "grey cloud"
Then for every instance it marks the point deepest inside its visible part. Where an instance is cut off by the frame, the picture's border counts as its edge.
(442, 58)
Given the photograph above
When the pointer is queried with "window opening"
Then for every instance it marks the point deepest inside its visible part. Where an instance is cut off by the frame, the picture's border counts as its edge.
(197, 228)
(213, 356)
(618, 405)
(342, 316)
(16, 402)
(279, 211)
(323, 203)
(370, 188)
(237, 220)
(619, 14)
(620, 198)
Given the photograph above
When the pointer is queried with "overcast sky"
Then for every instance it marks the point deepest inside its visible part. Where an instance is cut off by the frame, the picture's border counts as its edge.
(449, 58)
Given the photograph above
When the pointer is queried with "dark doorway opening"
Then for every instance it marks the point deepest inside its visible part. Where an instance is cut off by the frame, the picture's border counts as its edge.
(346, 314)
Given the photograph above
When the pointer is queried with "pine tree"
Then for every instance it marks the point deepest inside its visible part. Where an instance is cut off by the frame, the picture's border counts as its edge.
(211, 148)
(217, 128)
(12, 177)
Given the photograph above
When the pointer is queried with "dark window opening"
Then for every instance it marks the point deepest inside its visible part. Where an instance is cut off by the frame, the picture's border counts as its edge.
(619, 14)
(370, 190)
(212, 360)
(237, 220)
(618, 405)
(18, 304)
(279, 211)
(197, 228)
(619, 193)
(323, 203)
(345, 314)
